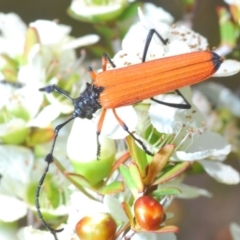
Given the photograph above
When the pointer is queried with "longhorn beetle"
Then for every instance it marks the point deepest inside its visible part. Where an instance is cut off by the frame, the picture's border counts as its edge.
(125, 86)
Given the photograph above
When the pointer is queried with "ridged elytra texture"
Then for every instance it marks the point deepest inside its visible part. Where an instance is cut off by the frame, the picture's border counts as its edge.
(129, 85)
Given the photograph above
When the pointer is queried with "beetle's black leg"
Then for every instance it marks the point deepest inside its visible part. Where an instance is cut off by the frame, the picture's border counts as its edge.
(127, 130)
(148, 41)
(187, 105)
(49, 160)
(105, 60)
(99, 128)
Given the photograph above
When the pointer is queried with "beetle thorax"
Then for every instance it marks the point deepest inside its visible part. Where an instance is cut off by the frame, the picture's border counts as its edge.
(88, 102)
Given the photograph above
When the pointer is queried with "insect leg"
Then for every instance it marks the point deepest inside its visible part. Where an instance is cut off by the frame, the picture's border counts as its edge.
(99, 127)
(127, 130)
(148, 41)
(187, 105)
(105, 60)
(49, 159)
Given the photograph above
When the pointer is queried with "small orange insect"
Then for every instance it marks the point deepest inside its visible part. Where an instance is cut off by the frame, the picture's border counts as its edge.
(125, 86)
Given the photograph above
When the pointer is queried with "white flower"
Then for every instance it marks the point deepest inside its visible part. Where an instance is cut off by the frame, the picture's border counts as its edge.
(220, 96)
(187, 128)
(181, 40)
(235, 231)
(12, 34)
(224, 116)
(93, 11)
(83, 133)
(20, 174)
(233, 2)
(29, 232)
(45, 52)
(153, 236)
(157, 13)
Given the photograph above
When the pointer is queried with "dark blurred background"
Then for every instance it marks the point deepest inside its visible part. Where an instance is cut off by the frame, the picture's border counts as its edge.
(201, 218)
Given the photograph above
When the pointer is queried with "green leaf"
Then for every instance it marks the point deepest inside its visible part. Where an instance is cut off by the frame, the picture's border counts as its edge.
(9, 68)
(130, 11)
(112, 188)
(159, 161)
(31, 39)
(128, 212)
(175, 171)
(76, 179)
(96, 170)
(164, 229)
(134, 171)
(39, 136)
(128, 180)
(138, 155)
(228, 30)
(16, 137)
(165, 191)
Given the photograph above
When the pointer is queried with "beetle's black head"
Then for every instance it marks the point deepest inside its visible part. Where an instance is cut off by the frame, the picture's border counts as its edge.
(88, 102)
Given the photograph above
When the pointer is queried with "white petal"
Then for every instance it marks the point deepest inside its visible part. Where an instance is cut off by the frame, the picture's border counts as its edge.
(223, 50)
(111, 126)
(228, 68)
(153, 236)
(15, 167)
(114, 208)
(7, 231)
(65, 106)
(195, 41)
(234, 2)
(82, 142)
(34, 71)
(135, 49)
(157, 13)
(221, 172)
(12, 37)
(45, 117)
(176, 47)
(221, 96)
(82, 41)
(49, 31)
(11, 126)
(166, 119)
(77, 211)
(83, 9)
(29, 232)
(8, 213)
(12, 26)
(192, 192)
(30, 98)
(235, 231)
(170, 120)
(207, 144)
(16, 159)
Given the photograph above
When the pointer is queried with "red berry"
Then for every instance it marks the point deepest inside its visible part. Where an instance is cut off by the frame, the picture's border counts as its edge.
(149, 213)
(98, 226)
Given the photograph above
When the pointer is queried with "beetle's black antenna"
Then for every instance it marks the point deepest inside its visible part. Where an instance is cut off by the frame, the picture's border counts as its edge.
(49, 159)
(14, 84)
(55, 88)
